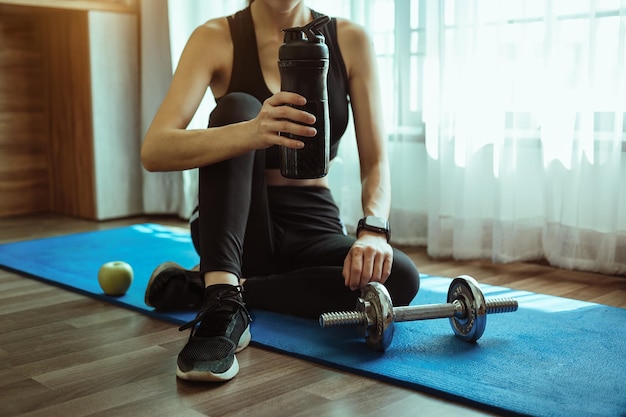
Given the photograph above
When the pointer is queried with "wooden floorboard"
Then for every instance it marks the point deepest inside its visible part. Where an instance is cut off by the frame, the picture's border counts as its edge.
(63, 354)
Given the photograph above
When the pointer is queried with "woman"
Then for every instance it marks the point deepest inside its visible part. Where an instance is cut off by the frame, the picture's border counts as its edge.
(266, 241)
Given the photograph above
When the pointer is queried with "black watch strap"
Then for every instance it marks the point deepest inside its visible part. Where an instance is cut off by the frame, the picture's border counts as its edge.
(374, 224)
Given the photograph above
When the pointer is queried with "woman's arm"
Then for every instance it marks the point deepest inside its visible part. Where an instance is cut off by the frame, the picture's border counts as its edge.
(371, 257)
(369, 126)
(206, 60)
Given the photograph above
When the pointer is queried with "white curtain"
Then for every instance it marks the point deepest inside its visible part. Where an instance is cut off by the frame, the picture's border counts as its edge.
(524, 113)
(505, 123)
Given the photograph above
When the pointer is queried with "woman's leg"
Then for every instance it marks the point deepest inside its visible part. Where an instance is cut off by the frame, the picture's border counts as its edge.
(312, 250)
(232, 201)
(232, 207)
(311, 291)
(232, 197)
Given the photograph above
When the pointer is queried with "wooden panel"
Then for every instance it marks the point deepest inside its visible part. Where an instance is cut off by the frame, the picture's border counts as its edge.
(107, 5)
(23, 129)
(47, 139)
(67, 74)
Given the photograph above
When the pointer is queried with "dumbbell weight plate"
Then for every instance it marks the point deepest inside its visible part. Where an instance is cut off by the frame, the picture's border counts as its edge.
(471, 327)
(377, 305)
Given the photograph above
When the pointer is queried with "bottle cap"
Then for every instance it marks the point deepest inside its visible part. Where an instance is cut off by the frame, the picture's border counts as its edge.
(297, 37)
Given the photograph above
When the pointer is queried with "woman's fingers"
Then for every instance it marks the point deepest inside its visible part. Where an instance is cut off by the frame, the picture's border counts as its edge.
(278, 121)
(367, 263)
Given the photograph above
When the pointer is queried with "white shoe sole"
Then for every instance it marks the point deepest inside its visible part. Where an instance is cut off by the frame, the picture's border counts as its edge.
(209, 376)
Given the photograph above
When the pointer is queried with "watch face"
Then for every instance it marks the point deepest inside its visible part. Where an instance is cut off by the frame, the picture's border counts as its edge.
(374, 221)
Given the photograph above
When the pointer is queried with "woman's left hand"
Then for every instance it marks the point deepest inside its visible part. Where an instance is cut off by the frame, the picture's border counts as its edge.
(369, 259)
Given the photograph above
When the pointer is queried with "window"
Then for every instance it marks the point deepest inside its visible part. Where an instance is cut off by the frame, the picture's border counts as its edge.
(573, 48)
(398, 29)
(522, 47)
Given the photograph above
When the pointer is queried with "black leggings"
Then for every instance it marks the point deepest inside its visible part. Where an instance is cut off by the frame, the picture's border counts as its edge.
(288, 242)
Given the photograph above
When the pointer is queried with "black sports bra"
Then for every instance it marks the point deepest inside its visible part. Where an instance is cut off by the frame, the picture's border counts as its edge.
(247, 77)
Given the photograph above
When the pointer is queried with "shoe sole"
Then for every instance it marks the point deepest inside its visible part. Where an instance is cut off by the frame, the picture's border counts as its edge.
(209, 376)
(244, 341)
(155, 273)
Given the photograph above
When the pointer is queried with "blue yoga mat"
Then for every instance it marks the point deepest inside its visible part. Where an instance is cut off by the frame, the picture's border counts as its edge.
(553, 357)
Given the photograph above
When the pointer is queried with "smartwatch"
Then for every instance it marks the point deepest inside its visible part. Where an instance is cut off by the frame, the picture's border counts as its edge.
(374, 224)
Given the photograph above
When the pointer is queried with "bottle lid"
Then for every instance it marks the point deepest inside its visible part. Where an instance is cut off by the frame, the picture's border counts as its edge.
(309, 32)
(308, 35)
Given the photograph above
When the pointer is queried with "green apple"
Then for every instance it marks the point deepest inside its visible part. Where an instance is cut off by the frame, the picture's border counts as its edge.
(115, 278)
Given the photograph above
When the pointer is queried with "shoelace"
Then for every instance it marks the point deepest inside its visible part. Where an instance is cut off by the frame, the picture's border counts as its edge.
(226, 296)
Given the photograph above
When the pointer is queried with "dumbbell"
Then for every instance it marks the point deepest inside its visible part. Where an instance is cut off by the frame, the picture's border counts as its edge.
(375, 314)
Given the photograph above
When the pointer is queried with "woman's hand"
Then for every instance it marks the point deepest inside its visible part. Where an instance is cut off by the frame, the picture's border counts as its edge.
(369, 259)
(279, 115)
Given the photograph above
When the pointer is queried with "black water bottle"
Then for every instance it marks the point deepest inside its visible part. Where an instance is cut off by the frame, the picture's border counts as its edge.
(303, 64)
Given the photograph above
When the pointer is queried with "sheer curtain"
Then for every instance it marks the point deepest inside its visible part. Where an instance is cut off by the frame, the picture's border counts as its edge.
(524, 111)
(505, 123)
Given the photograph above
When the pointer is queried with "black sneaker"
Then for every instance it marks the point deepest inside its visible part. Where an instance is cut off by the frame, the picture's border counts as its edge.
(221, 329)
(171, 287)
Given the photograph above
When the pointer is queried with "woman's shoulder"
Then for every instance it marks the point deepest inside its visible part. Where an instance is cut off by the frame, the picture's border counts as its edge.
(210, 47)
(351, 29)
(213, 29)
(212, 39)
(350, 32)
(355, 44)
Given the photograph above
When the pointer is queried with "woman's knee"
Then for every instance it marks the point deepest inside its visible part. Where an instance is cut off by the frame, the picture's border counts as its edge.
(404, 281)
(234, 108)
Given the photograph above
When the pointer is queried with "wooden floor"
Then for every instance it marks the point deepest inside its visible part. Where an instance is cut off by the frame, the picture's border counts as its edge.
(62, 354)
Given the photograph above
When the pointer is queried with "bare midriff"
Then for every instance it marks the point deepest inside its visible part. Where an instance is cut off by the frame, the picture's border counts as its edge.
(273, 177)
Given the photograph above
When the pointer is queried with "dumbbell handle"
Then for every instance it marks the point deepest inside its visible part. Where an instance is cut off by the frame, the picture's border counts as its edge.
(414, 313)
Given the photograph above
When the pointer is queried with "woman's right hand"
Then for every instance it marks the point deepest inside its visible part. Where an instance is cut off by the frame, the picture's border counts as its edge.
(279, 115)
